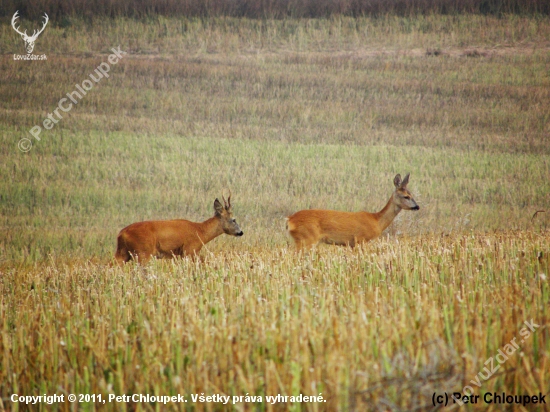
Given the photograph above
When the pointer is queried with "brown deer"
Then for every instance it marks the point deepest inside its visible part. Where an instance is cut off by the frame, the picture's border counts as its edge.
(309, 227)
(169, 238)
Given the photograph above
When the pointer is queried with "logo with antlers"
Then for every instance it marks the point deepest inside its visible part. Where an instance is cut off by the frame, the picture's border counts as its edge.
(29, 40)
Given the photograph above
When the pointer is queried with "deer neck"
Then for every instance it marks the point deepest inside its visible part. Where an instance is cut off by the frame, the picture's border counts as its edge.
(210, 229)
(387, 214)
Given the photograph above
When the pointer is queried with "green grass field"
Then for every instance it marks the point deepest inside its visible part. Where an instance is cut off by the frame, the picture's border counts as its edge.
(288, 115)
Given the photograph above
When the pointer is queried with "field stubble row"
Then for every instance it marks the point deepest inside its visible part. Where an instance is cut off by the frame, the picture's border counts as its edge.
(391, 322)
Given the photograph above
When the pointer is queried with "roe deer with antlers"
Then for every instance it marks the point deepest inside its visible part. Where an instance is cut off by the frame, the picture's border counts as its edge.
(309, 227)
(169, 238)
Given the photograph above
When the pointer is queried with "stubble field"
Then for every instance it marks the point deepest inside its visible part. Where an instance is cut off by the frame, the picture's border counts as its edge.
(288, 115)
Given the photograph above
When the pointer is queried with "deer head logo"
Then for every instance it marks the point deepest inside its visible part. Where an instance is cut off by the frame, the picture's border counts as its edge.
(29, 40)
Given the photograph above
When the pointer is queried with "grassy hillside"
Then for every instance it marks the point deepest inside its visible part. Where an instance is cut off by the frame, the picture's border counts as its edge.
(287, 114)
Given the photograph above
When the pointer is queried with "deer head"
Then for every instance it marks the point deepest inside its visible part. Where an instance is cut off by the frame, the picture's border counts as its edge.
(224, 213)
(402, 196)
(29, 40)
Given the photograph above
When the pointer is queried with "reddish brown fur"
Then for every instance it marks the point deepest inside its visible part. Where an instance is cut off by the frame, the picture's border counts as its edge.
(309, 227)
(169, 238)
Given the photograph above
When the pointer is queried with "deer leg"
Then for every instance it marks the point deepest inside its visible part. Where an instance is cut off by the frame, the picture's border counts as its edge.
(303, 240)
(121, 257)
(192, 250)
(304, 243)
(142, 258)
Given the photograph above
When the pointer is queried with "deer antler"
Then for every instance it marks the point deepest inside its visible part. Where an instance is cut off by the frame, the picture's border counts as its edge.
(13, 21)
(228, 203)
(35, 34)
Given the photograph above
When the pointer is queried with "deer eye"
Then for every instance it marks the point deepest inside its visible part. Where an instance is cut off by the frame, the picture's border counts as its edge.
(407, 197)
(234, 221)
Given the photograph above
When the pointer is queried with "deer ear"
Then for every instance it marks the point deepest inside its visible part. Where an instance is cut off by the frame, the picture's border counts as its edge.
(397, 180)
(218, 207)
(405, 181)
